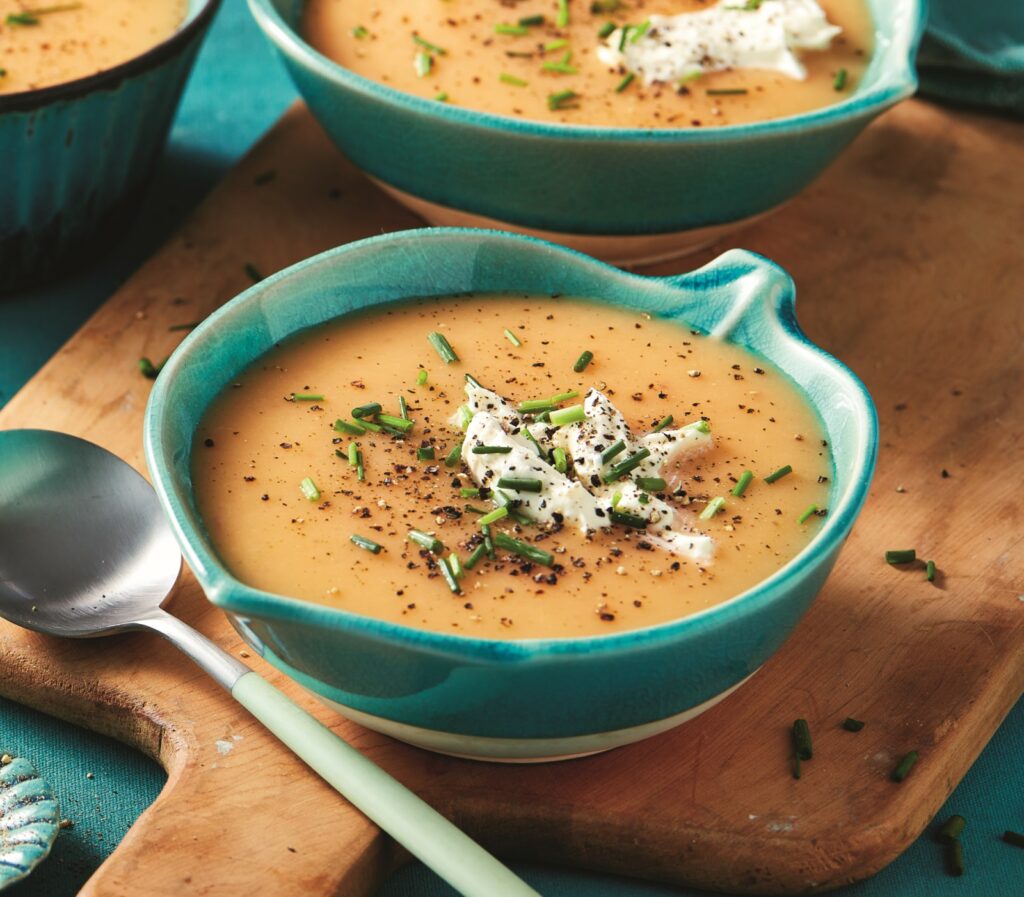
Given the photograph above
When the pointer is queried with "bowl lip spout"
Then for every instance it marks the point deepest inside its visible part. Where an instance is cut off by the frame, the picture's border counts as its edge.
(897, 81)
(754, 277)
(196, 20)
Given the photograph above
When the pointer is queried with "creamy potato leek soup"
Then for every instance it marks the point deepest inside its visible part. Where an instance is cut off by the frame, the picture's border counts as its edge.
(45, 43)
(641, 63)
(510, 467)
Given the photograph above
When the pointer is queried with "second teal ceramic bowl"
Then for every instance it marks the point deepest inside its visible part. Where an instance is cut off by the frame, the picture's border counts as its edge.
(582, 185)
(79, 153)
(529, 699)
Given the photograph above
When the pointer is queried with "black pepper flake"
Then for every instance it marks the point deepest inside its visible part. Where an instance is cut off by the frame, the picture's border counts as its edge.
(946, 474)
(264, 497)
(208, 442)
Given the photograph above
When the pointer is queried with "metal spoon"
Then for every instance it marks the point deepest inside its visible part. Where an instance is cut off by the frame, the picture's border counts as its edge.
(85, 551)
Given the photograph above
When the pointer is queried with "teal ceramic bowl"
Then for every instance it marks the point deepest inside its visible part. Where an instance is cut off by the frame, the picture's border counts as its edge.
(80, 152)
(621, 194)
(528, 699)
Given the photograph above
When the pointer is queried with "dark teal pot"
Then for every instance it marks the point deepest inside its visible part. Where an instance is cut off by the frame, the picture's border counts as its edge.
(78, 154)
(510, 699)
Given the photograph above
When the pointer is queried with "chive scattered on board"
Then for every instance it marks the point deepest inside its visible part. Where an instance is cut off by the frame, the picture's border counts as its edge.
(955, 858)
(491, 449)
(840, 80)
(307, 397)
(742, 483)
(366, 544)
(524, 549)
(252, 272)
(308, 488)
(929, 571)
(520, 484)
(634, 521)
(474, 557)
(191, 325)
(903, 768)
(581, 363)
(427, 45)
(618, 471)
(802, 739)
(625, 82)
(613, 451)
(443, 347)
(666, 421)
(651, 484)
(509, 335)
(494, 516)
(454, 455)
(810, 512)
(778, 474)
(427, 541)
(421, 377)
(795, 766)
(148, 369)
(951, 829)
(368, 410)
(425, 453)
(571, 415)
(561, 459)
(449, 576)
(1014, 838)
(900, 556)
(852, 725)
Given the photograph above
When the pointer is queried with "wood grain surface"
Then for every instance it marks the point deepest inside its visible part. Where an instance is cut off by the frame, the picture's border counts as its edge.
(909, 267)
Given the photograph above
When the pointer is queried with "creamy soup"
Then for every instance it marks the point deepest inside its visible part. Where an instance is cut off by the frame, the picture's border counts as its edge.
(44, 43)
(645, 63)
(586, 539)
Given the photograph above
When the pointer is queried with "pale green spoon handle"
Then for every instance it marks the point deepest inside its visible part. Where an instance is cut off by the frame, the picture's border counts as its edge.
(424, 832)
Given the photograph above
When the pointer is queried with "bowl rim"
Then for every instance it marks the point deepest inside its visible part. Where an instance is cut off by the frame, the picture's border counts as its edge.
(194, 23)
(898, 83)
(246, 602)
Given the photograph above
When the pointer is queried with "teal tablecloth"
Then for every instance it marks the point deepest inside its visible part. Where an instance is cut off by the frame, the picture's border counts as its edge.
(216, 124)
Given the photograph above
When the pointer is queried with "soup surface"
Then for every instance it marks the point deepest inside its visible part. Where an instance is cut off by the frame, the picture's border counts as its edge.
(281, 502)
(44, 43)
(450, 51)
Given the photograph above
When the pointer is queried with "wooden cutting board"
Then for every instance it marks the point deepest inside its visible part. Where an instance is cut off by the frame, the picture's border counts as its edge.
(908, 262)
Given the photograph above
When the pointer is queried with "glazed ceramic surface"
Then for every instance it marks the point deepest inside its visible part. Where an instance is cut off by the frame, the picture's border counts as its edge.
(582, 180)
(29, 820)
(80, 152)
(510, 699)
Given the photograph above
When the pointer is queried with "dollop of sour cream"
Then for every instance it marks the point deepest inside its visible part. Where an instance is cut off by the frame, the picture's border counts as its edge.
(731, 35)
(580, 497)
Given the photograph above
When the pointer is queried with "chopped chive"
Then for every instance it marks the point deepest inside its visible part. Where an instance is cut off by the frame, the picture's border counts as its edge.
(903, 768)
(491, 449)
(529, 21)
(465, 417)
(21, 18)
(810, 512)
(427, 541)
(443, 347)
(599, 6)
(616, 498)
(1014, 838)
(563, 99)
(713, 507)
(536, 405)
(557, 44)
(581, 363)
(639, 31)
(625, 82)
(473, 509)
(421, 377)
(360, 469)
(519, 54)
(564, 397)
(651, 484)
(403, 408)
(609, 453)
(795, 765)
(31, 16)
(840, 81)
(618, 471)
(606, 29)
(505, 78)
(456, 564)
(562, 19)
(422, 63)
(560, 459)
(359, 32)
(852, 725)
(368, 410)
(427, 45)
(514, 30)
(632, 520)
(778, 474)
(351, 427)
(474, 557)
(643, 498)
(726, 91)
(533, 439)
(742, 483)
(929, 571)
(485, 528)
(449, 576)
(900, 556)
(307, 397)
(666, 421)
(254, 274)
(493, 516)
(524, 549)
(425, 453)
(571, 415)
(520, 484)
(454, 455)
(396, 423)
(955, 858)
(701, 426)
(191, 325)
(562, 68)
(471, 493)
(148, 369)
(366, 544)
(623, 35)
(308, 488)
(353, 454)
(509, 335)
(952, 828)
(441, 97)
(802, 739)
